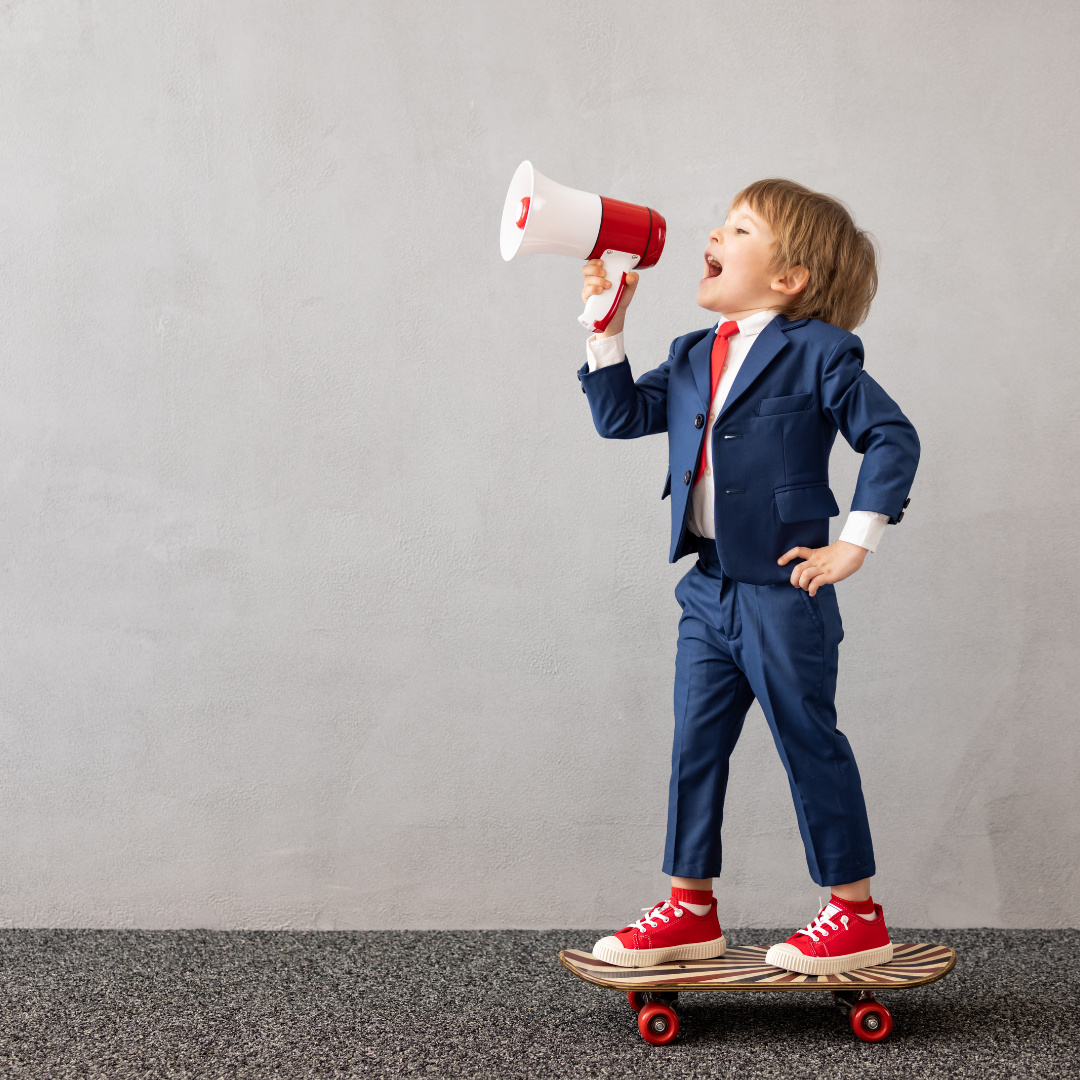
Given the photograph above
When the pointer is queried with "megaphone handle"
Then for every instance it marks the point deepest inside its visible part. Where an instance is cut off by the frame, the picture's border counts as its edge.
(601, 307)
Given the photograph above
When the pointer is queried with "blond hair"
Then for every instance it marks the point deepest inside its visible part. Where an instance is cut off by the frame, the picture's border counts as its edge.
(817, 231)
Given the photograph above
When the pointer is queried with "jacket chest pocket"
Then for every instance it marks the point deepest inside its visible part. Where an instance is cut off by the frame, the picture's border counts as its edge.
(791, 403)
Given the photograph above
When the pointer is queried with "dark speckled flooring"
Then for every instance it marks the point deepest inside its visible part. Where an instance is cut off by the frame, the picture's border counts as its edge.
(213, 1004)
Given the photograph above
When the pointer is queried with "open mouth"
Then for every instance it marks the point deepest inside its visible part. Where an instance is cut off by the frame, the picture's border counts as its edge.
(712, 267)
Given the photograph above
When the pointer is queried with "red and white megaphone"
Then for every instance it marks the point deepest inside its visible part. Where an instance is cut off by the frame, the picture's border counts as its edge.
(541, 217)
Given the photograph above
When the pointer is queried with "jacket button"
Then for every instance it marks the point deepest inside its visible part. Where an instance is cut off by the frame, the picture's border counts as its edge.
(686, 477)
(699, 420)
(907, 503)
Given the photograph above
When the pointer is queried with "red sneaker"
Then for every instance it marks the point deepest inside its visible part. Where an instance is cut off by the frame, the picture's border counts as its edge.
(668, 931)
(839, 939)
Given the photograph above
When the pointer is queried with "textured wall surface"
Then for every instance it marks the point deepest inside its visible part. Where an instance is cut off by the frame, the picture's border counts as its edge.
(322, 603)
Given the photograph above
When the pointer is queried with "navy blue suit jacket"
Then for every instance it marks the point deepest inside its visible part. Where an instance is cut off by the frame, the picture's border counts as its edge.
(801, 382)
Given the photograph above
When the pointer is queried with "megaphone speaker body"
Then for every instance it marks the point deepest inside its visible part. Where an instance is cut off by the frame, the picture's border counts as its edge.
(541, 217)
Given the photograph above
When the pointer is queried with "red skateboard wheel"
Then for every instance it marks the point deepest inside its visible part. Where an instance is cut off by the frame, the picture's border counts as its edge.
(870, 1021)
(658, 1024)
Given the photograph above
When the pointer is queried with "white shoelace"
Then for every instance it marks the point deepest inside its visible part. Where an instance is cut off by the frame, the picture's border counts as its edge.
(824, 918)
(657, 912)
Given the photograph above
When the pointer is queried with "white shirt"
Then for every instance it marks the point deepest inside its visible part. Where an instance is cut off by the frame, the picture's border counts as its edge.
(863, 527)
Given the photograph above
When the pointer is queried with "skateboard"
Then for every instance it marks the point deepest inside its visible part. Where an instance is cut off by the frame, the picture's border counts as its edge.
(652, 991)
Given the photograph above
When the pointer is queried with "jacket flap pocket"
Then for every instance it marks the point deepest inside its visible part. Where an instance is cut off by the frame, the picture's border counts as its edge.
(771, 406)
(667, 487)
(806, 503)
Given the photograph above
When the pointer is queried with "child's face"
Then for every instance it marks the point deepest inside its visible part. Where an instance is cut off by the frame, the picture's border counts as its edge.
(737, 279)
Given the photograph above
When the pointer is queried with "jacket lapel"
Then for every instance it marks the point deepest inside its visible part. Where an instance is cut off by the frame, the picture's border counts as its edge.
(700, 357)
(769, 342)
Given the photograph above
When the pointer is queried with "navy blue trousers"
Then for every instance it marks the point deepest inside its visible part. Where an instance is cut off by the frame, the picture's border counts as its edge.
(778, 644)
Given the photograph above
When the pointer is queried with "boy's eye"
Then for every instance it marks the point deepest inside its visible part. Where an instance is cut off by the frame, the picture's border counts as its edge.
(743, 231)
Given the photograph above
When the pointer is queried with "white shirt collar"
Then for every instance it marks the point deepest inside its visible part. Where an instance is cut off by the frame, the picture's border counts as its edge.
(752, 325)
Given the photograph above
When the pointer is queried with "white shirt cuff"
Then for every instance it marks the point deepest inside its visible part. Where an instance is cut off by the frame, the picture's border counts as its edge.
(604, 351)
(864, 527)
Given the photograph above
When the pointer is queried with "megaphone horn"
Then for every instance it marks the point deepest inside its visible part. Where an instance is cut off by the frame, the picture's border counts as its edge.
(541, 217)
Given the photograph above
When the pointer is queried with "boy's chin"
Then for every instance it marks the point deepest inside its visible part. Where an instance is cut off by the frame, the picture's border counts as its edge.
(710, 296)
(708, 300)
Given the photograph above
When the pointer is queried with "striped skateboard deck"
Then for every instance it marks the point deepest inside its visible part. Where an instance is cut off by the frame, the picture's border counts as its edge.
(653, 990)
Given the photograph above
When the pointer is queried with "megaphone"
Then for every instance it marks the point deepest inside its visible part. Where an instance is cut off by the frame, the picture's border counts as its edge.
(542, 217)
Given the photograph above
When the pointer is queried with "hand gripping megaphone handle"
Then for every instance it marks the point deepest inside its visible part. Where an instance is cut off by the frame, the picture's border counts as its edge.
(600, 308)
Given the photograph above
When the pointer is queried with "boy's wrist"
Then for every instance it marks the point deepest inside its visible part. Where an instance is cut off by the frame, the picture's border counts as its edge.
(853, 551)
(604, 351)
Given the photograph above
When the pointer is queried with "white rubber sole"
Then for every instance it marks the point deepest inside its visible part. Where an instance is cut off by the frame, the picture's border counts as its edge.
(788, 957)
(611, 951)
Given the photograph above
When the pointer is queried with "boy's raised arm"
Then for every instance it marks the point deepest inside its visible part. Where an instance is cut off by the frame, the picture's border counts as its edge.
(621, 408)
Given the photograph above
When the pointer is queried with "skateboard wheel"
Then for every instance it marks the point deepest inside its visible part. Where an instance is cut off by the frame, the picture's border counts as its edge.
(870, 1021)
(658, 1024)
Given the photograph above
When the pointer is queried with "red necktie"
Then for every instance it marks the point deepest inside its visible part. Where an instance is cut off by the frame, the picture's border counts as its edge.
(719, 356)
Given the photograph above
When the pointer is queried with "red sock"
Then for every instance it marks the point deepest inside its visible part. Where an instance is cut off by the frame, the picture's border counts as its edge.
(861, 907)
(692, 896)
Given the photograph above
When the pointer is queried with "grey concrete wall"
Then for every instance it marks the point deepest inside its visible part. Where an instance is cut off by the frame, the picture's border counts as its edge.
(322, 604)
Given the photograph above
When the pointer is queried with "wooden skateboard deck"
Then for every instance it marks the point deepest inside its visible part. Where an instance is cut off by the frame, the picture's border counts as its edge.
(653, 990)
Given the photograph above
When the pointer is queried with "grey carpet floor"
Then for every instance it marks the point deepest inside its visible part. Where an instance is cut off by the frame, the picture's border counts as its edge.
(123, 1004)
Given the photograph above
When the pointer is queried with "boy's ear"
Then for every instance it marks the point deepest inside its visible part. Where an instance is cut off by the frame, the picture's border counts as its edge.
(792, 281)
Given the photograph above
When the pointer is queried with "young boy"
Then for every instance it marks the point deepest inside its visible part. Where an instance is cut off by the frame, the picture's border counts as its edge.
(751, 407)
